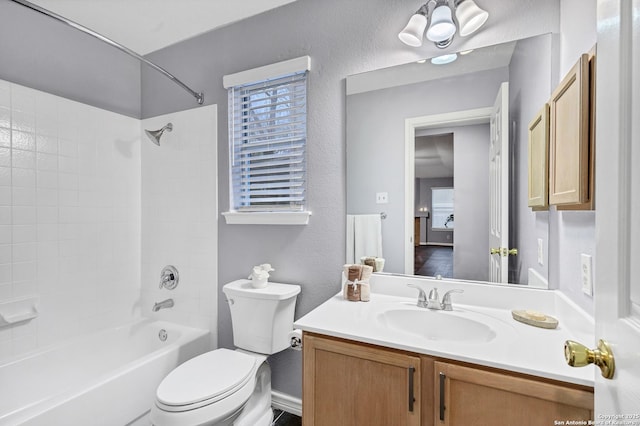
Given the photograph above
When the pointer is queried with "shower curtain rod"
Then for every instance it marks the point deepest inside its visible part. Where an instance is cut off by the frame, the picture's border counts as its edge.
(199, 96)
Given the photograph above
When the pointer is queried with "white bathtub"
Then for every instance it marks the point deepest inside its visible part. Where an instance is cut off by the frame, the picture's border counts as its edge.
(108, 378)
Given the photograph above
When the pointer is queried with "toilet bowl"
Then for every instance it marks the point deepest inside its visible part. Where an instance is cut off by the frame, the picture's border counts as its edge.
(232, 387)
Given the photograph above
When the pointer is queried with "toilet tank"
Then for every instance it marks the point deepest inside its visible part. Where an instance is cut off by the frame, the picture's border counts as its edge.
(262, 317)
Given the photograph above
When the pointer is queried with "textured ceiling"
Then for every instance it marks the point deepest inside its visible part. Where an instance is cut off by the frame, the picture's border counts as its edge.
(148, 25)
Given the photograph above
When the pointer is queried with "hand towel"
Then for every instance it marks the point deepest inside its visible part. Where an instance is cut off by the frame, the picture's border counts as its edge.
(364, 236)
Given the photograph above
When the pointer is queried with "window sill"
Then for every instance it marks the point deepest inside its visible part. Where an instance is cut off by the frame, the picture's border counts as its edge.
(267, 218)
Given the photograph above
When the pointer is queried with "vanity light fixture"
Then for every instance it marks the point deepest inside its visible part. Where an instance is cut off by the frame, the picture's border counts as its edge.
(438, 16)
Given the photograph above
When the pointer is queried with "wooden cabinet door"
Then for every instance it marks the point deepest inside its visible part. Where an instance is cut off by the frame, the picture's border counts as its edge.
(355, 384)
(539, 160)
(470, 396)
(569, 138)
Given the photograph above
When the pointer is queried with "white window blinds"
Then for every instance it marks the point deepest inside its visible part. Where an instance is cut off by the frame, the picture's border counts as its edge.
(267, 138)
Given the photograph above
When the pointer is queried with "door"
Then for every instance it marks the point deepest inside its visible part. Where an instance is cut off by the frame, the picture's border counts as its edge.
(465, 395)
(355, 384)
(617, 287)
(499, 188)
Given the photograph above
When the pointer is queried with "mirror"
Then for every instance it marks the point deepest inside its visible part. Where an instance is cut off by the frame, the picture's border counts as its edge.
(420, 132)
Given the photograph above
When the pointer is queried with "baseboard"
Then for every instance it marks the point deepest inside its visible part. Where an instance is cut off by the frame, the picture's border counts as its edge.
(437, 244)
(288, 403)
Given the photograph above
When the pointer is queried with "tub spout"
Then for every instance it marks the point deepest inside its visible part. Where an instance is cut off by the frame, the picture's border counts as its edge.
(162, 305)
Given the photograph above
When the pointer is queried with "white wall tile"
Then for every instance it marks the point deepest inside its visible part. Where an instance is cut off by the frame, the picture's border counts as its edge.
(54, 242)
(5, 157)
(23, 159)
(5, 273)
(5, 195)
(47, 143)
(72, 211)
(5, 176)
(5, 215)
(172, 172)
(23, 140)
(24, 196)
(5, 253)
(24, 234)
(23, 177)
(6, 234)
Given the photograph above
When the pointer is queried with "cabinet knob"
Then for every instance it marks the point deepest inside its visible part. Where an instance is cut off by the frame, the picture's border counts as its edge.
(578, 355)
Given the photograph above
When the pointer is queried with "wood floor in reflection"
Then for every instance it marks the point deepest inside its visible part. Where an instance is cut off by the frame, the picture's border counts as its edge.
(433, 260)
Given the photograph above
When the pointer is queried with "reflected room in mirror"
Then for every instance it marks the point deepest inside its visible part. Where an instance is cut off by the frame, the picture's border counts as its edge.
(447, 145)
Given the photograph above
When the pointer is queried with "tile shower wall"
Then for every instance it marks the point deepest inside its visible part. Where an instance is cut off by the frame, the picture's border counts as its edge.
(69, 216)
(179, 217)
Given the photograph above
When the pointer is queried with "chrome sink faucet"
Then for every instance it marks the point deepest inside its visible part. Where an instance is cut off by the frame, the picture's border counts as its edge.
(422, 297)
(162, 305)
(433, 300)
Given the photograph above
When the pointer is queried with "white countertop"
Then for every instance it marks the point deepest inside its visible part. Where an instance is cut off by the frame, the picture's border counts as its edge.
(516, 346)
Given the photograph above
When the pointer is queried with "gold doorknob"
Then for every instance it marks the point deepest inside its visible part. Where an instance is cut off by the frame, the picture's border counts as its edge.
(495, 251)
(512, 252)
(578, 355)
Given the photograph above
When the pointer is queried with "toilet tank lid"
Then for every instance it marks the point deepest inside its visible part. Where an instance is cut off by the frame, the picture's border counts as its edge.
(273, 291)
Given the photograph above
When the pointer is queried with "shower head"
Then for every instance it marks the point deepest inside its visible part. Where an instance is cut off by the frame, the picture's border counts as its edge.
(155, 135)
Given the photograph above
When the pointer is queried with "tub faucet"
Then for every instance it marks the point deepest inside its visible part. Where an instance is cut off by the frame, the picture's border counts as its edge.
(162, 305)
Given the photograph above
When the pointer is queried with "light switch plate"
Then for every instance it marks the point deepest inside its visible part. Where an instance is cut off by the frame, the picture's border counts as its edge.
(587, 274)
(382, 197)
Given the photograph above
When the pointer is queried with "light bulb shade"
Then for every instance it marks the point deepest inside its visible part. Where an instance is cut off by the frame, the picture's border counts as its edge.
(442, 26)
(444, 59)
(414, 31)
(470, 17)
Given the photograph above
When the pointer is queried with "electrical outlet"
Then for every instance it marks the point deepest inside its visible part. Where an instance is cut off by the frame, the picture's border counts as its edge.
(587, 274)
(540, 252)
(382, 197)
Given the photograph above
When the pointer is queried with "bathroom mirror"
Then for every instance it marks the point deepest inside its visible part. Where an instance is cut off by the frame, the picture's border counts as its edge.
(420, 132)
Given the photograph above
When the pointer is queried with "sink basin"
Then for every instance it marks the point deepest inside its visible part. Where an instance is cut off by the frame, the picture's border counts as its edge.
(447, 326)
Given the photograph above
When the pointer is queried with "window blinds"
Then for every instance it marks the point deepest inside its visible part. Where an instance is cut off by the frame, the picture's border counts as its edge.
(268, 134)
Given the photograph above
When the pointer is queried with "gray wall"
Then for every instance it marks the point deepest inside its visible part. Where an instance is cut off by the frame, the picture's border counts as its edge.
(530, 84)
(38, 52)
(375, 131)
(574, 232)
(342, 38)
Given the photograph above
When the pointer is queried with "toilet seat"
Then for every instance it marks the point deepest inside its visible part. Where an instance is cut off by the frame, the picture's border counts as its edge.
(206, 379)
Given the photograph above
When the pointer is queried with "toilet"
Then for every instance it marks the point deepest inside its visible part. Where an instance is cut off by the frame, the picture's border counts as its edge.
(232, 387)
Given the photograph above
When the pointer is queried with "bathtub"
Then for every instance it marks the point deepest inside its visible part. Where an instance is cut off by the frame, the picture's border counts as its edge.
(107, 378)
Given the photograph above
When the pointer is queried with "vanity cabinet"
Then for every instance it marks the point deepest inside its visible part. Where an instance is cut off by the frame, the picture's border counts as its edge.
(351, 383)
(348, 383)
(466, 395)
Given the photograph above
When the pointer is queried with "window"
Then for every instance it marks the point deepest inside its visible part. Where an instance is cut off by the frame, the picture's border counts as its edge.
(267, 141)
(442, 208)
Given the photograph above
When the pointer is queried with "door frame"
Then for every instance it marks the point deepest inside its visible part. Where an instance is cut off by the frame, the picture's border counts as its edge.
(435, 121)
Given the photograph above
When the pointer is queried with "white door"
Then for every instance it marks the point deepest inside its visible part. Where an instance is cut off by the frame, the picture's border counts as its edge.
(617, 284)
(499, 188)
